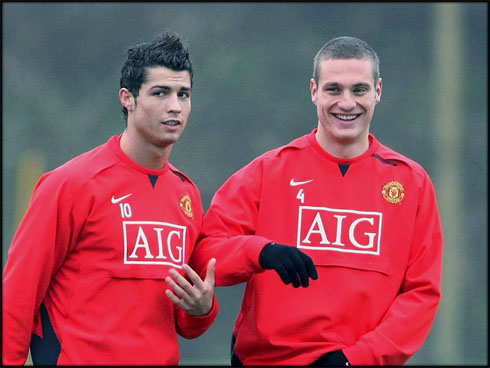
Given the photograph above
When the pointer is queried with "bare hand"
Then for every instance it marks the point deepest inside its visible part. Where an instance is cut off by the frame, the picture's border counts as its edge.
(196, 296)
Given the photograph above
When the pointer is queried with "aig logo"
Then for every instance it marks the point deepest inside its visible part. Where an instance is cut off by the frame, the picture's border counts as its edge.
(149, 242)
(339, 230)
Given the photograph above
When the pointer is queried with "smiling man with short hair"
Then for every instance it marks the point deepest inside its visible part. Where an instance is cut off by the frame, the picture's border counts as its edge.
(351, 224)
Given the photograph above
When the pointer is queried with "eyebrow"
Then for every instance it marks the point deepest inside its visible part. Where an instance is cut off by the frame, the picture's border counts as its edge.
(357, 85)
(167, 88)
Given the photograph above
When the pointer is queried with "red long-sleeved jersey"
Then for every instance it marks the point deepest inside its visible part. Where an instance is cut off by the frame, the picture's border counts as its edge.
(98, 239)
(372, 227)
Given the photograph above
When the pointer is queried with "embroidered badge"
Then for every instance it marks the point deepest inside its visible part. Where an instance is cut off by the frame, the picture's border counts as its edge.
(393, 192)
(185, 204)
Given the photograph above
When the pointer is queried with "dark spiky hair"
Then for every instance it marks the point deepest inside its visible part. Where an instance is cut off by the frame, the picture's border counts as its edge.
(165, 50)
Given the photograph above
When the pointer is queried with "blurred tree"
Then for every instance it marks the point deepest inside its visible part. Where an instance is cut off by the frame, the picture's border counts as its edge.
(449, 50)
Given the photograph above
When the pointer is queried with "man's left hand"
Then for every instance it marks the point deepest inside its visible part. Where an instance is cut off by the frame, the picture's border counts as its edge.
(195, 295)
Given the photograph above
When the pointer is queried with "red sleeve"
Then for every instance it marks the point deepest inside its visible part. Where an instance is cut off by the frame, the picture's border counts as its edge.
(407, 323)
(228, 231)
(36, 252)
(190, 327)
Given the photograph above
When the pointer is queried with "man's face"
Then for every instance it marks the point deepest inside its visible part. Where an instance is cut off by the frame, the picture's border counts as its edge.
(345, 98)
(159, 114)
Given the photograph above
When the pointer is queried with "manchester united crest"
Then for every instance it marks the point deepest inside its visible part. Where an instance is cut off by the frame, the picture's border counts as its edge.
(186, 205)
(393, 192)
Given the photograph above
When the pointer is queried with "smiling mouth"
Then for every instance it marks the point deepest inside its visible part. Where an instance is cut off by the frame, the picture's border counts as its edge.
(345, 117)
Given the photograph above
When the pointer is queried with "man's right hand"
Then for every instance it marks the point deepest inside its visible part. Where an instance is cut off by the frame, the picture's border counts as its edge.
(292, 265)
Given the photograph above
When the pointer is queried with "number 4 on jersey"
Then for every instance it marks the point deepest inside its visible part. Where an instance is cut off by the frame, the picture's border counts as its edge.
(301, 196)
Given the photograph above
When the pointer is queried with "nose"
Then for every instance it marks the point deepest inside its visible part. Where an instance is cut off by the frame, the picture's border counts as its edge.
(346, 101)
(174, 104)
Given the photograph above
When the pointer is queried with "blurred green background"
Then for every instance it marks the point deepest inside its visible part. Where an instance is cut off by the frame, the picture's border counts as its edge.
(253, 63)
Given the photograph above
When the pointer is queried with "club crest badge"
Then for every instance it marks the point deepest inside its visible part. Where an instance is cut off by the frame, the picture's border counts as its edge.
(186, 205)
(393, 192)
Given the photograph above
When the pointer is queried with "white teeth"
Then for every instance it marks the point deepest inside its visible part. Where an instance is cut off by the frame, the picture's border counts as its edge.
(171, 122)
(346, 117)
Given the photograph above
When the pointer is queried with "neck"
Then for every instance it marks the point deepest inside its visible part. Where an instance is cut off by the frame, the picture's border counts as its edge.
(144, 153)
(345, 149)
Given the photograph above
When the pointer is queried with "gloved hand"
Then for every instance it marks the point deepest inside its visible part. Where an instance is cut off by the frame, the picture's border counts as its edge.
(332, 359)
(289, 262)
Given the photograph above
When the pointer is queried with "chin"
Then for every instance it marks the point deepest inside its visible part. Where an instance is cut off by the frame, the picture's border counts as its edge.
(170, 138)
(163, 142)
(347, 135)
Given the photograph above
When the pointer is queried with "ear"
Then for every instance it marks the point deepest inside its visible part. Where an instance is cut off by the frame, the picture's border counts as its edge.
(126, 98)
(379, 87)
(313, 90)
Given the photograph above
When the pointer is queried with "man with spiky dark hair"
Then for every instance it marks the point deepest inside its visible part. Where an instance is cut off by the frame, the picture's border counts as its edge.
(97, 271)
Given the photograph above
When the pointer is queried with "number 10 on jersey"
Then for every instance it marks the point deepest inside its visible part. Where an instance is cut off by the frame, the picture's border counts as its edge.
(125, 210)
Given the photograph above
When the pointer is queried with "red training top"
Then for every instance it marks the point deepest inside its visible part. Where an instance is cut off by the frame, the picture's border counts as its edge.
(97, 241)
(372, 227)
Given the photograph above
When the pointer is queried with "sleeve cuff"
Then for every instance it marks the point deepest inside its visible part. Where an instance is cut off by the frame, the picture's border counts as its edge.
(359, 354)
(191, 327)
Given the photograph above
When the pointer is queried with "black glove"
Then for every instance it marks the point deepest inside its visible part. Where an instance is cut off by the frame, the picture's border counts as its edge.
(289, 262)
(332, 359)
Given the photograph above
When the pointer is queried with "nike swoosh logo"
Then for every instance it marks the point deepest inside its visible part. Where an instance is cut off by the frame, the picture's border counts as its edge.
(116, 200)
(295, 183)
